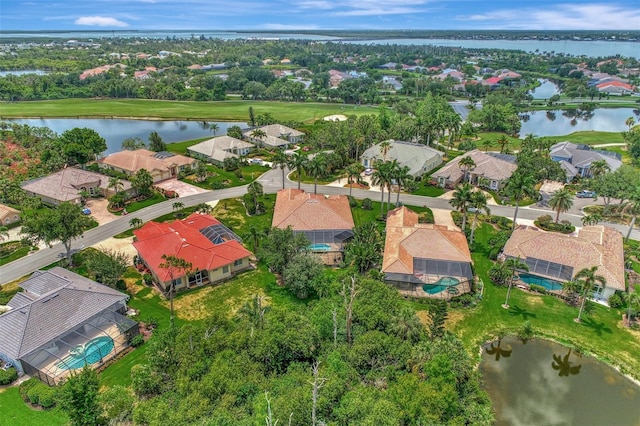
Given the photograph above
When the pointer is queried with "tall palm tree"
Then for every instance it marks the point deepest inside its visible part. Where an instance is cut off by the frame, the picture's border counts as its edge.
(560, 202)
(280, 159)
(466, 164)
(258, 134)
(632, 299)
(588, 279)
(633, 207)
(402, 178)
(503, 141)
(256, 190)
(379, 177)
(176, 266)
(297, 162)
(135, 223)
(384, 149)
(599, 167)
(353, 172)
(630, 122)
(317, 168)
(254, 234)
(391, 168)
(479, 203)
(487, 144)
(519, 186)
(115, 183)
(513, 264)
(461, 199)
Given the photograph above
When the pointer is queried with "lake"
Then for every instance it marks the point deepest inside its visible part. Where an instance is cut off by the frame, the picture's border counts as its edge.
(557, 123)
(114, 131)
(22, 72)
(546, 90)
(543, 383)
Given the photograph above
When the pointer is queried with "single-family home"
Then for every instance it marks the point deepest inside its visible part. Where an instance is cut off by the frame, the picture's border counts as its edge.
(273, 136)
(425, 260)
(576, 159)
(615, 88)
(8, 215)
(419, 158)
(216, 150)
(214, 251)
(491, 170)
(161, 165)
(325, 220)
(70, 184)
(555, 258)
(62, 321)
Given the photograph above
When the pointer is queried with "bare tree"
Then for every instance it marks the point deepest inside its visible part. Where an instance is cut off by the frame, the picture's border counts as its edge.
(353, 292)
(317, 384)
(334, 313)
(269, 419)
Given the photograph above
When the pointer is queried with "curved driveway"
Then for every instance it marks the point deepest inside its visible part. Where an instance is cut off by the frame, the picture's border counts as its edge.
(272, 182)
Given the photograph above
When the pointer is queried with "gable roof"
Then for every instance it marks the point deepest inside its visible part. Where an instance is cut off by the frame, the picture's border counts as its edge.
(7, 211)
(219, 147)
(191, 239)
(309, 212)
(582, 156)
(407, 239)
(487, 165)
(593, 246)
(135, 160)
(412, 155)
(53, 303)
(64, 185)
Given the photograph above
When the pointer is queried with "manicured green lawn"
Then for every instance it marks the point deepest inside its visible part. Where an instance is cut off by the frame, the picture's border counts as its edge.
(232, 110)
(429, 190)
(220, 178)
(232, 213)
(584, 137)
(137, 205)
(361, 216)
(22, 251)
(14, 412)
(181, 147)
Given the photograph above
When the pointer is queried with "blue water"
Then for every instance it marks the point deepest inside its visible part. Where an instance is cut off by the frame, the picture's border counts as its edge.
(319, 247)
(441, 285)
(544, 282)
(94, 350)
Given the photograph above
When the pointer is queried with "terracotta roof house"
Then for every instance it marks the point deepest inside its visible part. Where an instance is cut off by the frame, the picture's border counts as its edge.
(217, 149)
(67, 184)
(8, 215)
(576, 159)
(214, 251)
(491, 169)
(615, 88)
(161, 165)
(425, 260)
(325, 220)
(277, 136)
(556, 258)
(62, 321)
(419, 158)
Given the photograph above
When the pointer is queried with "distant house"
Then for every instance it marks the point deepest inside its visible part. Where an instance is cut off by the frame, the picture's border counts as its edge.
(276, 136)
(425, 260)
(576, 159)
(8, 215)
(615, 88)
(491, 169)
(557, 258)
(161, 165)
(217, 149)
(419, 158)
(214, 251)
(62, 321)
(67, 185)
(325, 220)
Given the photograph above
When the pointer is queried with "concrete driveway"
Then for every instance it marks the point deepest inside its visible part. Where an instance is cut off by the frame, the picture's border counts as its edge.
(183, 189)
(99, 212)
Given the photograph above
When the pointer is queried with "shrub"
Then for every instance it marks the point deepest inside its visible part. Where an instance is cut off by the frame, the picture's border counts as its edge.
(538, 288)
(26, 386)
(48, 396)
(137, 340)
(615, 301)
(148, 279)
(367, 204)
(467, 145)
(39, 394)
(353, 202)
(526, 331)
(463, 301)
(545, 219)
(8, 376)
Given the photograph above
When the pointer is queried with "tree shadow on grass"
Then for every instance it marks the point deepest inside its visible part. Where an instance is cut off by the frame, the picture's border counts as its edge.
(598, 328)
(518, 311)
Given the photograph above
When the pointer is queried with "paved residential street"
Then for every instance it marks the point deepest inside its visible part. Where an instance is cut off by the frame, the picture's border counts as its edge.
(272, 182)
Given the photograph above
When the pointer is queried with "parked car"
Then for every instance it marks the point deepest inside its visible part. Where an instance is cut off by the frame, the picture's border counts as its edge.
(368, 172)
(256, 161)
(586, 194)
(86, 210)
(6, 366)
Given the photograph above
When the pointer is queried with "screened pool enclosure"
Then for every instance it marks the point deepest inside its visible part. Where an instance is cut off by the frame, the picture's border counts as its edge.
(434, 278)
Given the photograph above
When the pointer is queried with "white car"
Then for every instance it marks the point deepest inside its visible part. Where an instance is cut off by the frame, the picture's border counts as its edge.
(368, 172)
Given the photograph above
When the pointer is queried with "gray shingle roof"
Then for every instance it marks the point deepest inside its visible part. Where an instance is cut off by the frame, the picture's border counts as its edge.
(412, 155)
(70, 301)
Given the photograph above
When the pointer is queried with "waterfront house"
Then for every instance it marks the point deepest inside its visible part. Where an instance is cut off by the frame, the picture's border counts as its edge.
(419, 158)
(161, 165)
(491, 170)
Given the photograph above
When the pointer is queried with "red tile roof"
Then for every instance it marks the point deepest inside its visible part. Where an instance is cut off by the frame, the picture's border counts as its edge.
(182, 238)
(311, 212)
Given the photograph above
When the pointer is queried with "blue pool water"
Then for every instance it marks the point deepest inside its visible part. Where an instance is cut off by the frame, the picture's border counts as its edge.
(93, 351)
(441, 285)
(544, 282)
(319, 247)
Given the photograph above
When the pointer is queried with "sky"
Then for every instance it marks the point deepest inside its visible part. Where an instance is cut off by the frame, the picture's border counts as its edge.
(83, 15)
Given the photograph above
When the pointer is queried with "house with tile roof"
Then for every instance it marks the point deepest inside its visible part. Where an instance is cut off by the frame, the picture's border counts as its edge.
(216, 150)
(615, 88)
(419, 158)
(559, 257)
(425, 260)
(8, 215)
(325, 220)
(576, 159)
(66, 185)
(491, 170)
(214, 251)
(62, 321)
(276, 136)
(161, 165)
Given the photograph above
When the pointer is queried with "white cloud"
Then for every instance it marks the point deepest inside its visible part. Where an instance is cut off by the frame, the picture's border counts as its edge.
(100, 21)
(363, 7)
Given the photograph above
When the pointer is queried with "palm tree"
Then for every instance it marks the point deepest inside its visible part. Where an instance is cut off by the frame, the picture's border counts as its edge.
(353, 172)
(316, 167)
(280, 159)
(402, 178)
(588, 279)
(384, 149)
(466, 164)
(115, 183)
(380, 177)
(561, 201)
(297, 162)
(461, 199)
(503, 141)
(135, 222)
(176, 266)
(254, 234)
(479, 203)
(391, 168)
(513, 264)
(487, 144)
(177, 206)
(4, 233)
(630, 122)
(632, 299)
(599, 167)
(519, 186)
(632, 206)
(256, 190)
(258, 134)
(591, 219)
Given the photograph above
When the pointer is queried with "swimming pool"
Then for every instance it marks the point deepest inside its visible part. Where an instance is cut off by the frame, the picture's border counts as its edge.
(544, 282)
(319, 247)
(441, 285)
(89, 353)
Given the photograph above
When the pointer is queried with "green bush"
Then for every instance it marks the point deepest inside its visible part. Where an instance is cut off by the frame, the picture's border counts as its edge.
(538, 288)
(544, 219)
(26, 386)
(464, 301)
(353, 202)
(137, 340)
(615, 301)
(367, 204)
(37, 391)
(48, 396)
(526, 331)
(8, 376)
(467, 145)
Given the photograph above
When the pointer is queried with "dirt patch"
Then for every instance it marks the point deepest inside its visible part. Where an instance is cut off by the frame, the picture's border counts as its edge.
(424, 317)
(123, 245)
(181, 188)
(534, 300)
(453, 318)
(198, 304)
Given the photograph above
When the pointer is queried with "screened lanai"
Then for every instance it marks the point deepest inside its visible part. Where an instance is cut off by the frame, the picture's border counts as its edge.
(549, 269)
(434, 278)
